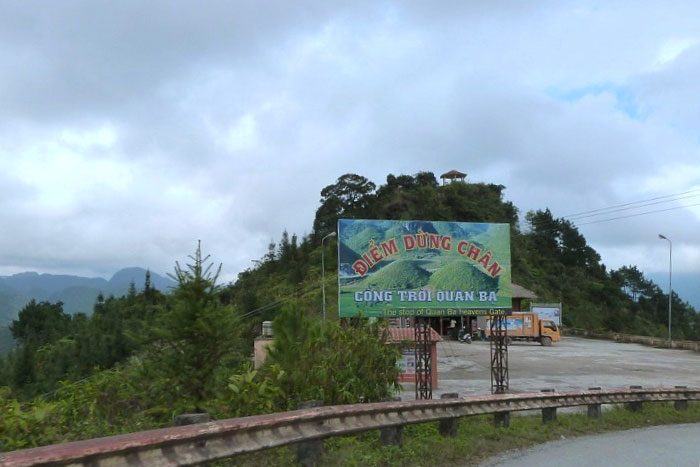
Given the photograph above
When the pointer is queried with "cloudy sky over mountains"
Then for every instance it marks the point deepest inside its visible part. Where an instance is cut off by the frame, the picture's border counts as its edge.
(130, 129)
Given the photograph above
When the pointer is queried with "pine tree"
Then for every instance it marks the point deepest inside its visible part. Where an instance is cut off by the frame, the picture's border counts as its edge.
(131, 294)
(147, 283)
(199, 334)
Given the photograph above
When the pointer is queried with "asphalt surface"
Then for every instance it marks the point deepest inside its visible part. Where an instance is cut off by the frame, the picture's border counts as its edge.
(673, 445)
(576, 364)
(569, 365)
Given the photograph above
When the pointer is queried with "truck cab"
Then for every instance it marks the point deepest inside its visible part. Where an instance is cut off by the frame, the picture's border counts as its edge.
(549, 332)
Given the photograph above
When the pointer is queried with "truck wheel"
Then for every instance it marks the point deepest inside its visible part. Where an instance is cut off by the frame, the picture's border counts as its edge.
(508, 341)
(547, 341)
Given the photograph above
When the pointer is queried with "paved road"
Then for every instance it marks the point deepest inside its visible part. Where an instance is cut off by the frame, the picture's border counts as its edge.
(572, 364)
(670, 446)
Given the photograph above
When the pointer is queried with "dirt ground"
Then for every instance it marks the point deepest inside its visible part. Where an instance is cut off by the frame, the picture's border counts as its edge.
(572, 364)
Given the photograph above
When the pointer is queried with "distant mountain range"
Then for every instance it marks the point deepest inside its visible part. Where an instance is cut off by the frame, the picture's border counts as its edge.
(78, 294)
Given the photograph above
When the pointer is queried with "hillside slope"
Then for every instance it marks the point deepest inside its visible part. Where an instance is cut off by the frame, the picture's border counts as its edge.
(551, 257)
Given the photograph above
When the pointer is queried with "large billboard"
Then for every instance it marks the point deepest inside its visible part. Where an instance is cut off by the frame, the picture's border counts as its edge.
(423, 268)
(547, 311)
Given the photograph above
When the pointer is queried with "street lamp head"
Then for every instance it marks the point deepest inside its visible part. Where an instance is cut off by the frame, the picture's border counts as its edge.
(332, 234)
(663, 237)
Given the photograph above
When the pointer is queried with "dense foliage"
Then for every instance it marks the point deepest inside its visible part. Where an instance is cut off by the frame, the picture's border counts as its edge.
(555, 261)
(143, 358)
(53, 345)
(350, 364)
(316, 360)
(197, 336)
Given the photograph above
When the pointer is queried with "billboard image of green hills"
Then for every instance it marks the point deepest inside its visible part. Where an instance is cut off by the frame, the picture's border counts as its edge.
(423, 268)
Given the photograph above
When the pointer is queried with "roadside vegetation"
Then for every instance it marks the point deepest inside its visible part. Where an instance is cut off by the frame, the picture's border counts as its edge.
(191, 354)
(139, 360)
(477, 439)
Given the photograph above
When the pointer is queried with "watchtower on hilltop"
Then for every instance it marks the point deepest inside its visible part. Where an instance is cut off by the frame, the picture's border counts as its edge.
(453, 176)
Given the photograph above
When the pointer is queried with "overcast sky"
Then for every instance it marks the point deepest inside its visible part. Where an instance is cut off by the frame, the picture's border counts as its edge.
(131, 129)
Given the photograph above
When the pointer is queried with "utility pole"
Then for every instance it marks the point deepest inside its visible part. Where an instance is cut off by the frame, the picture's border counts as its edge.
(670, 289)
(323, 274)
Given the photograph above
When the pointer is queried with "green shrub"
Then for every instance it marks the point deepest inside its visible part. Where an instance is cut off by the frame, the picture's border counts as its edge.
(249, 393)
(324, 361)
(315, 360)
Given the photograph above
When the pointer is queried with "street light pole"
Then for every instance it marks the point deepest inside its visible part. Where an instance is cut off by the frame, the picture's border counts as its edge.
(323, 274)
(670, 289)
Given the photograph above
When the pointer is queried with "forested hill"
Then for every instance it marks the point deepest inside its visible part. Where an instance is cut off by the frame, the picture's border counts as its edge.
(549, 256)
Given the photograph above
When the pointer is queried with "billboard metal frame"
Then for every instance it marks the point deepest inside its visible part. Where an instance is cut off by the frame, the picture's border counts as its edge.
(424, 363)
(498, 344)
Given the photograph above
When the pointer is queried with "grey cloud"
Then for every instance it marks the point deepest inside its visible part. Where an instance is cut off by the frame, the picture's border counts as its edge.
(665, 94)
(330, 88)
(82, 59)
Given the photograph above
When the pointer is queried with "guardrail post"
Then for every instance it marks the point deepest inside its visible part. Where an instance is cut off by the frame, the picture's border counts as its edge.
(594, 410)
(309, 452)
(501, 419)
(192, 418)
(635, 406)
(549, 414)
(681, 405)
(391, 435)
(448, 428)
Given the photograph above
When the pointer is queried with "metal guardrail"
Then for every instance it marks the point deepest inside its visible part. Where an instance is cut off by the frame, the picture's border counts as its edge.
(193, 444)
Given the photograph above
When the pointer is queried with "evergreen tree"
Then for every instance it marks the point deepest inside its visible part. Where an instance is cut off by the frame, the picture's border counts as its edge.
(40, 323)
(147, 290)
(349, 196)
(131, 294)
(198, 335)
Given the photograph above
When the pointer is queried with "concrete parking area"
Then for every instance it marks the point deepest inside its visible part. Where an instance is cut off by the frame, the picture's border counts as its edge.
(572, 364)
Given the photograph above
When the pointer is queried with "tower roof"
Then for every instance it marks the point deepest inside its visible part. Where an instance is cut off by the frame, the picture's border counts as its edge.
(453, 174)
